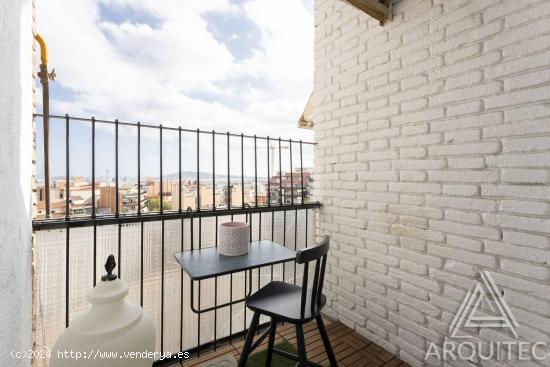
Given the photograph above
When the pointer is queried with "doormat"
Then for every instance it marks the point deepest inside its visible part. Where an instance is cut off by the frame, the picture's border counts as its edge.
(224, 361)
(258, 359)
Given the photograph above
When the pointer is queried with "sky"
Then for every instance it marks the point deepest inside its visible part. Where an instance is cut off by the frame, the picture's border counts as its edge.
(239, 66)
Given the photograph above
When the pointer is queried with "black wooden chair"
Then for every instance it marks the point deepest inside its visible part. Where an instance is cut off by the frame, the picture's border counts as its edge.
(290, 303)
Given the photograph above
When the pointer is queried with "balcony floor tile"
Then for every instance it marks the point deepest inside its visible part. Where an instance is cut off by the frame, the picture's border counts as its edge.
(351, 349)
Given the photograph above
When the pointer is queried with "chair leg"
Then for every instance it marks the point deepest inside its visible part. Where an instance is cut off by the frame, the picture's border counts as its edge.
(271, 342)
(302, 357)
(248, 342)
(326, 341)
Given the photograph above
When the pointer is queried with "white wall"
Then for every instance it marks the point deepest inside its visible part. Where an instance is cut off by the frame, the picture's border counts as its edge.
(16, 84)
(433, 162)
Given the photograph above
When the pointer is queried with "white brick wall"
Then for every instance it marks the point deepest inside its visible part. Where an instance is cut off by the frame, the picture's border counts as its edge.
(433, 162)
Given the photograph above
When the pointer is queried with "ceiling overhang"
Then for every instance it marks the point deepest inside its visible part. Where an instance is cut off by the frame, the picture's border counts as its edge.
(306, 120)
(378, 9)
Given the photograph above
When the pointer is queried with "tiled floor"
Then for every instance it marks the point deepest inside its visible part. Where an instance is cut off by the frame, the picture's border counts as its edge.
(351, 349)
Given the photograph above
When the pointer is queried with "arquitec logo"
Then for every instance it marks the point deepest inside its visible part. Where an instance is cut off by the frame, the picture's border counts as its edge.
(469, 316)
(467, 312)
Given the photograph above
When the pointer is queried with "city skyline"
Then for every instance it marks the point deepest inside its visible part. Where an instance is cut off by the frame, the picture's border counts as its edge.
(284, 188)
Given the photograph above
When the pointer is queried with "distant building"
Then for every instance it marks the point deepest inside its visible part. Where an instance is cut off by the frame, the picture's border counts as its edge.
(208, 195)
(80, 200)
(219, 194)
(128, 201)
(79, 206)
(188, 198)
(289, 185)
(235, 196)
(169, 187)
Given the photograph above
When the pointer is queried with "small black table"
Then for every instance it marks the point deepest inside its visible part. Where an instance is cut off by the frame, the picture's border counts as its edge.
(208, 263)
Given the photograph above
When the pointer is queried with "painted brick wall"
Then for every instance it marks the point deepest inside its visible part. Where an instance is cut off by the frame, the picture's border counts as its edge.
(433, 162)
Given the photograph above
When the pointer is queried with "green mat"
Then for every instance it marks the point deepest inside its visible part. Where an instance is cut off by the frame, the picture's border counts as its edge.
(258, 359)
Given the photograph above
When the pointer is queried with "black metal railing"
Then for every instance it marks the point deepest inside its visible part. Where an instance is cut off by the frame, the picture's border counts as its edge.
(144, 242)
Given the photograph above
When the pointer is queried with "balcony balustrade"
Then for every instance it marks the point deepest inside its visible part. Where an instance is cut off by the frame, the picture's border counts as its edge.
(71, 248)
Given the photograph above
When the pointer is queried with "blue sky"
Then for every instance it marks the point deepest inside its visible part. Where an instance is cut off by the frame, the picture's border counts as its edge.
(239, 66)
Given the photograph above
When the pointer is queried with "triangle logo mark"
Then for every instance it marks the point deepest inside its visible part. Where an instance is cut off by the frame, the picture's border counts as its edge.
(467, 315)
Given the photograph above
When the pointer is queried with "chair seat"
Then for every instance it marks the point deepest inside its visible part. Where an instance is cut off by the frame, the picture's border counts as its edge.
(282, 301)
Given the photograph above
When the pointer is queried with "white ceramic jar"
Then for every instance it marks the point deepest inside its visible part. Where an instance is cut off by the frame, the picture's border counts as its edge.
(233, 238)
(111, 328)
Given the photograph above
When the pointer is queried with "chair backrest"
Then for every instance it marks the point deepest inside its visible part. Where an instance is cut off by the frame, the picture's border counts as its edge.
(305, 256)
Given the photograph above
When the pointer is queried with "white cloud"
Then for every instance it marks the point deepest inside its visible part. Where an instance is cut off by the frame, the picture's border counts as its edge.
(285, 59)
(154, 72)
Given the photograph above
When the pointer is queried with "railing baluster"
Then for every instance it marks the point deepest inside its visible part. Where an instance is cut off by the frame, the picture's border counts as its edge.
(242, 170)
(67, 209)
(199, 323)
(259, 278)
(181, 284)
(162, 246)
(192, 225)
(284, 240)
(117, 207)
(229, 193)
(200, 239)
(117, 203)
(67, 173)
(95, 254)
(162, 289)
(307, 225)
(231, 308)
(228, 176)
(272, 236)
(292, 203)
(215, 289)
(200, 232)
(255, 173)
(119, 241)
(250, 226)
(191, 288)
(301, 175)
(244, 305)
(280, 175)
(256, 199)
(46, 143)
(269, 194)
(139, 168)
(161, 194)
(180, 191)
(179, 173)
(291, 175)
(200, 242)
(213, 170)
(198, 203)
(139, 213)
(94, 203)
(268, 177)
(93, 169)
(295, 239)
(67, 272)
(141, 265)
